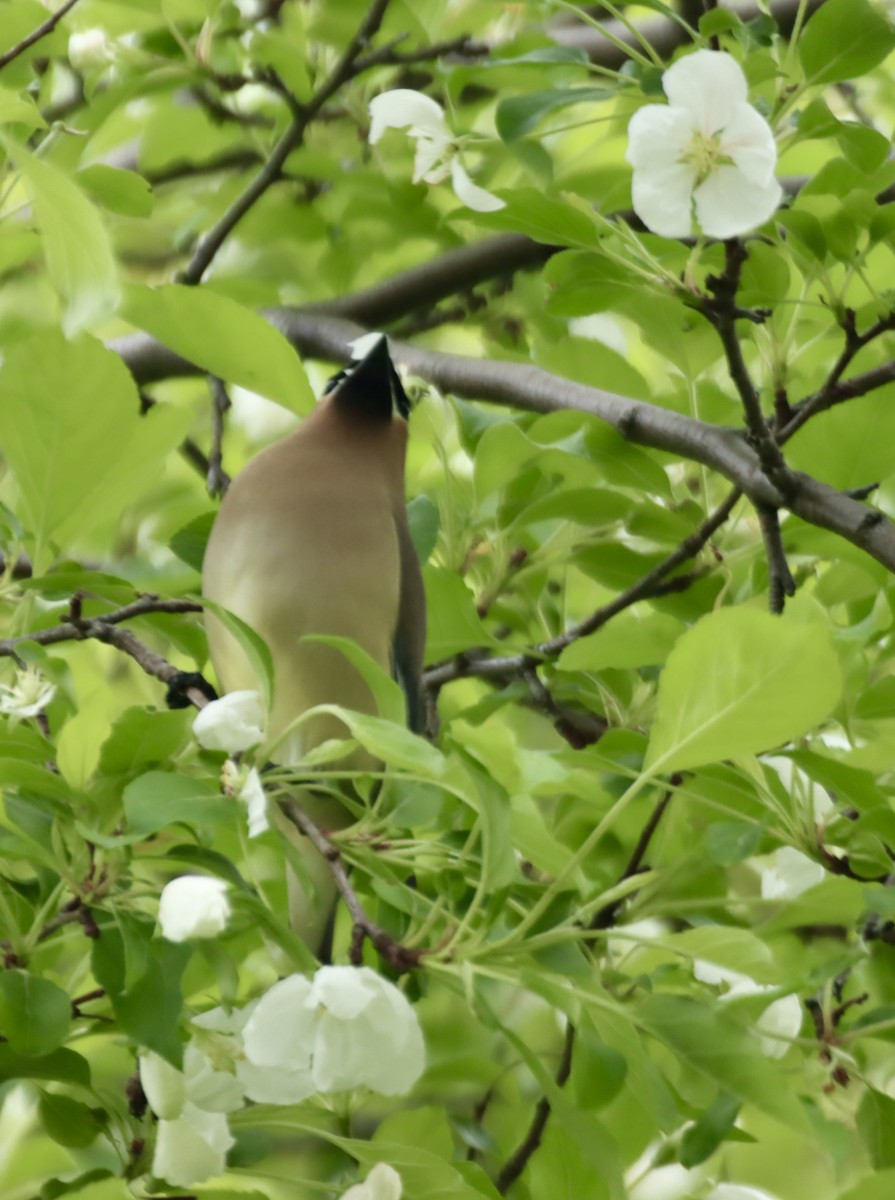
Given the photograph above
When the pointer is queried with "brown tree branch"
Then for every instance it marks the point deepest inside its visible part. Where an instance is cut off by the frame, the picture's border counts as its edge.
(530, 388)
(653, 583)
(399, 957)
(518, 1160)
(36, 34)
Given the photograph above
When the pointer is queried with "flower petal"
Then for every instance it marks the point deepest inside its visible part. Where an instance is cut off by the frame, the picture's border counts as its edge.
(748, 140)
(728, 204)
(470, 193)
(780, 1023)
(430, 163)
(708, 84)
(383, 1183)
(280, 1030)
(275, 1085)
(791, 872)
(657, 137)
(193, 906)
(193, 1148)
(233, 723)
(254, 797)
(402, 107)
(662, 199)
(163, 1085)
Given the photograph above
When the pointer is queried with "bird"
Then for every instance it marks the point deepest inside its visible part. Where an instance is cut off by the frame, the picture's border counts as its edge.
(312, 538)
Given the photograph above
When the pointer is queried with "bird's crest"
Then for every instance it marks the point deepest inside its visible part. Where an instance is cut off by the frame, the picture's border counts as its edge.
(372, 384)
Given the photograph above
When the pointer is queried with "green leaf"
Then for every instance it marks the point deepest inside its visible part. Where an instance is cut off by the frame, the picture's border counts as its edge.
(423, 519)
(35, 1015)
(189, 542)
(149, 1010)
(18, 108)
(878, 1186)
(54, 1188)
(710, 1129)
(452, 623)
(161, 798)
(548, 220)
(390, 741)
(79, 254)
(67, 404)
(222, 337)
(625, 642)
(710, 1042)
(68, 1121)
(118, 190)
(141, 737)
(844, 38)
(64, 1066)
(876, 1120)
(518, 115)
(391, 702)
(252, 645)
(741, 681)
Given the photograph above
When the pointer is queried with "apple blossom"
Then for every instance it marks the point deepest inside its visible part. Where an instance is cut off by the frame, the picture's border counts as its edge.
(192, 1147)
(233, 723)
(383, 1183)
(789, 874)
(778, 1024)
(193, 906)
(30, 693)
(347, 1028)
(707, 148)
(193, 1135)
(438, 151)
(245, 784)
(90, 48)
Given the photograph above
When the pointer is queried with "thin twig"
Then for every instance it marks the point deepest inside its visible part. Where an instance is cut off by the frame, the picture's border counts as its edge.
(36, 34)
(780, 581)
(518, 1160)
(344, 70)
(606, 917)
(722, 312)
(97, 627)
(399, 957)
(464, 666)
(217, 478)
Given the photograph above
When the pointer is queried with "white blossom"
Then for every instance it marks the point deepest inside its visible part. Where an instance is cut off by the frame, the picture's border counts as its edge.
(778, 1024)
(192, 1147)
(90, 48)
(789, 874)
(233, 723)
(193, 906)
(348, 1028)
(245, 784)
(707, 148)
(383, 1183)
(30, 693)
(438, 151)
(193, 1135)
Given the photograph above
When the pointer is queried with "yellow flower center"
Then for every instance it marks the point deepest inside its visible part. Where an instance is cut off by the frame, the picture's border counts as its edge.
(703, 153)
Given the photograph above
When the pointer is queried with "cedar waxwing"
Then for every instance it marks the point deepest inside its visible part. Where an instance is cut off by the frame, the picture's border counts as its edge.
(312, 538)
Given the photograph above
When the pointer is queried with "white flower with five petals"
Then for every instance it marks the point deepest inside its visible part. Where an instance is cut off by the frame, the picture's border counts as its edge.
(706, 149)
(437, 149)
(347, 1028)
